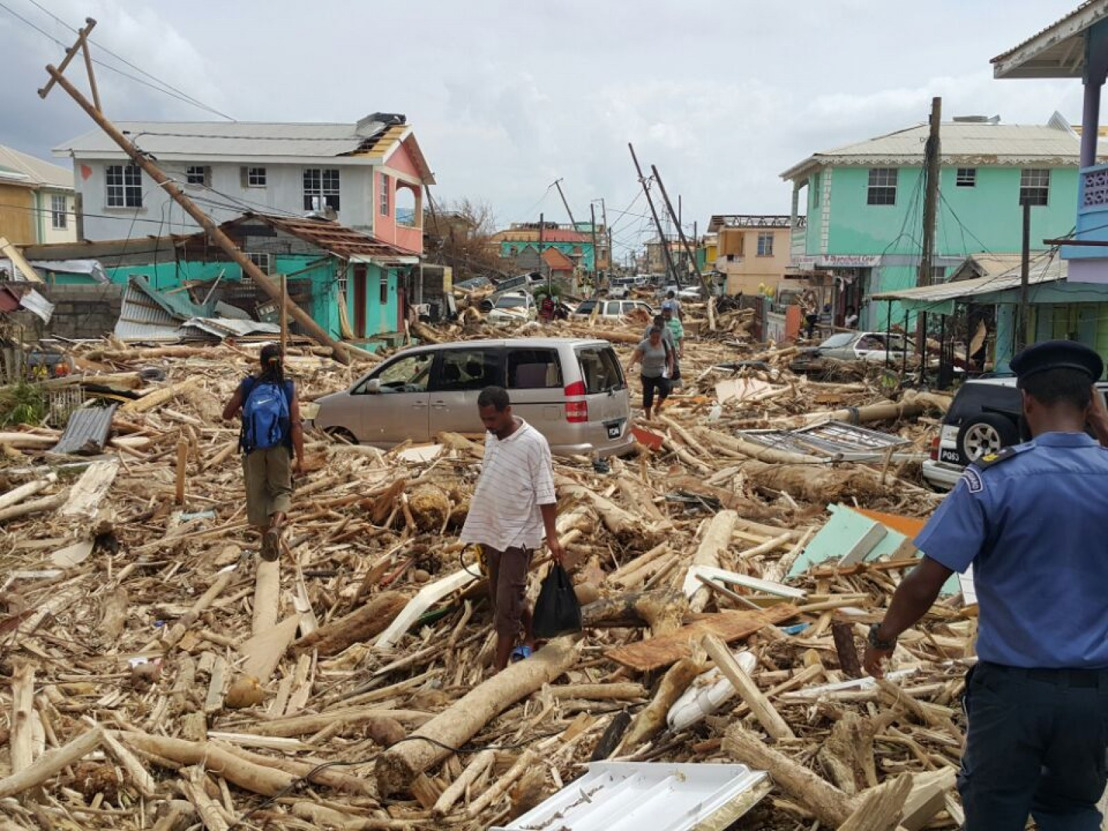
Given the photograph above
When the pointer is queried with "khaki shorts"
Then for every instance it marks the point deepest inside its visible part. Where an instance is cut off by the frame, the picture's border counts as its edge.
(268, 475)
(507, 587)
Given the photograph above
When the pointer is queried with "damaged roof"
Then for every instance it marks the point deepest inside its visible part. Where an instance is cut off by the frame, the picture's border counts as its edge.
(327, 234)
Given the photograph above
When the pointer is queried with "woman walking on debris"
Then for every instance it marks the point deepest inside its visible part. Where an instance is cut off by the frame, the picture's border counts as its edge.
(270, 433)
(657, 364)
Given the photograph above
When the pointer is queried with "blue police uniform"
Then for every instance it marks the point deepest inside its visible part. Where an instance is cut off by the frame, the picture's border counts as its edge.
(1032, 522)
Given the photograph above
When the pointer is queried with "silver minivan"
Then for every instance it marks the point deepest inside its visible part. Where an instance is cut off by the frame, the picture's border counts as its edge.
(571, 390)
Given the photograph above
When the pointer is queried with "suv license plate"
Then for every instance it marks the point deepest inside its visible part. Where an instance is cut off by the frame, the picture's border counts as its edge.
(614, 430)
(946, 455)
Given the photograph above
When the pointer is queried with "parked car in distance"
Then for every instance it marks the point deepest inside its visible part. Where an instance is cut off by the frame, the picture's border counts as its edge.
(521, 281)
(610, 308)
(874, 347)
(513, 308)
(984, 418)
(571, 390)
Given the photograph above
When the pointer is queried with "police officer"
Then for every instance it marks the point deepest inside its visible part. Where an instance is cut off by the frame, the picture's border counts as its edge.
(1032, 522)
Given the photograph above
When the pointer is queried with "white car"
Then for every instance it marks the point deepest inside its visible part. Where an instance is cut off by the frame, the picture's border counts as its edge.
(610, 308)
(513, 308)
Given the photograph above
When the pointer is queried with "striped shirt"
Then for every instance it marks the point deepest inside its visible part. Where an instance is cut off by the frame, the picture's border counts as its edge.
(517, 476)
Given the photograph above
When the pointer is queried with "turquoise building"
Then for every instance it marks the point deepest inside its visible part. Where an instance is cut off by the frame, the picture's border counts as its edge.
(864, 205)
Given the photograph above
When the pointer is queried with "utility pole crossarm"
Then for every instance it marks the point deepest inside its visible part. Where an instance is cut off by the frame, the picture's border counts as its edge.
(341, 352)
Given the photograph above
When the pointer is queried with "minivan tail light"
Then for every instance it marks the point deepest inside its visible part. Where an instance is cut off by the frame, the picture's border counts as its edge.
(935, 449)
(576, 411)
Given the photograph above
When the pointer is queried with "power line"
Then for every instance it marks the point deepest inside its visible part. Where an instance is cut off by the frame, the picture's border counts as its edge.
(123, 60)
(183, 98)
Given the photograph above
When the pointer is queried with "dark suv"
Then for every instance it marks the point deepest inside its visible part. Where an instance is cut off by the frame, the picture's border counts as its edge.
(984, 417)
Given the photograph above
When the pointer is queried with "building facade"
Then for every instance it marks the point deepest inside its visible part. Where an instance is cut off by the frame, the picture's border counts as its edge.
(751, 251)
(523, 236)
(37, 200)
(369, 175)
(864, 204)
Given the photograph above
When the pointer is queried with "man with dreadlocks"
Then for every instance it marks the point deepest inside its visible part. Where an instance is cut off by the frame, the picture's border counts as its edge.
(271, 431)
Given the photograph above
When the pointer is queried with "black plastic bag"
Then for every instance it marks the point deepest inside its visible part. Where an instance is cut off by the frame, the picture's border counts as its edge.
(557, 611)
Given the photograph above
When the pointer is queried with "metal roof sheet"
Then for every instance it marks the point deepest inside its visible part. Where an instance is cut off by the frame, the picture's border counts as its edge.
(140, 318)
(970, 143)
(326, 234)
(235, 138)
(630, 796)
(1046, 269)
(86, 431)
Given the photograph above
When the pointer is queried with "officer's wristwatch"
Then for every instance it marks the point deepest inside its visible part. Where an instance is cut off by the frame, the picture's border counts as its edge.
(876, 642)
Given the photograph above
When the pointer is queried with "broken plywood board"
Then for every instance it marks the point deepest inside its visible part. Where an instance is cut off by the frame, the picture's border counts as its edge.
(668, 649)
(264, 651)
(90, 489)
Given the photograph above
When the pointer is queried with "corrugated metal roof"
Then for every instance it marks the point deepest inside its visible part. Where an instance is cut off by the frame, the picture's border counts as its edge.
(325, 233)
(971, 143)
(631, 796)
(1044, 270)
(239, 139)
(140, 318)
(86, 431)
(224, 327)
(36, 171)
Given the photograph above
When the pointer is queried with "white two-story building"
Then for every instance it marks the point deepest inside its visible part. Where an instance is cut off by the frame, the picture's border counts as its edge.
(369, 176)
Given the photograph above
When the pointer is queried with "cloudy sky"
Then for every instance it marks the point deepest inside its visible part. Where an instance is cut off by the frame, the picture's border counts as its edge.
(506, 97)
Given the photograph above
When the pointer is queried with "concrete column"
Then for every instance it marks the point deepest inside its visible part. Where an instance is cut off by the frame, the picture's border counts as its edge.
(1090, 120)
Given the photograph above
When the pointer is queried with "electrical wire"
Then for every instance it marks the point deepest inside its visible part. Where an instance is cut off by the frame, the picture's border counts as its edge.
(186, 99)
(196, 102)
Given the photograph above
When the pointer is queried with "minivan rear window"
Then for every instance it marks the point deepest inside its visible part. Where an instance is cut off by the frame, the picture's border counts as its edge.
(599, 369)
(533, 369)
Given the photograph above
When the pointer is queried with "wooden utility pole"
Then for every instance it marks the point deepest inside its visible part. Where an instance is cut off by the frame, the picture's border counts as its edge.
(657, 223)
(341, 351)
(1023, 330)
(284, 314)
(572, 221)
(680, 233)
(542, 262)
(932, 156)
(595, 250)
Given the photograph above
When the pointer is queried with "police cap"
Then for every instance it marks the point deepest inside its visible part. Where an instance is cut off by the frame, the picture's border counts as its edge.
(1058, 354)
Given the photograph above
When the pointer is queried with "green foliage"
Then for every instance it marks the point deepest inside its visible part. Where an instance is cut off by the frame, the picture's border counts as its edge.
(22, 403)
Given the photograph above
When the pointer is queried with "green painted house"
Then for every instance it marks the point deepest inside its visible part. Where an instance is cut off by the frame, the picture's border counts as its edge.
(864, 204)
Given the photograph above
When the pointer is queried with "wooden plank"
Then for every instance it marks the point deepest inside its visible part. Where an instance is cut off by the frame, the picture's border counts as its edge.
(20, 262)
(91, 488)
(264, 651)
(727, 626)
(424, 599)
(759, 705)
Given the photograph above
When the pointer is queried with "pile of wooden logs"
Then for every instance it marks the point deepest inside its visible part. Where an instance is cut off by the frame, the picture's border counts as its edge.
(157, 674)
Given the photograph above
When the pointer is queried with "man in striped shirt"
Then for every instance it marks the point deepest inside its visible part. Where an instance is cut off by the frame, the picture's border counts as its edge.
(513, 504)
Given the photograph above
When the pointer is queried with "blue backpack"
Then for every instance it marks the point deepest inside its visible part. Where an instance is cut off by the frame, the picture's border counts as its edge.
(265, 414)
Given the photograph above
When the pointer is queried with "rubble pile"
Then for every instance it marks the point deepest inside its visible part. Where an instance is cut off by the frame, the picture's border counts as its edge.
(158, 674)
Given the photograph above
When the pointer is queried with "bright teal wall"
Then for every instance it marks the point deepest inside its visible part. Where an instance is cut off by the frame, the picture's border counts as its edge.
(990, 213)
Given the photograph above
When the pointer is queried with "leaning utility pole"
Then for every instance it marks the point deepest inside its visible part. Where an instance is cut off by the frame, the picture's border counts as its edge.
(1023, 330)
(572, 221)
(657, 223)
(680, 232)
(341, 351)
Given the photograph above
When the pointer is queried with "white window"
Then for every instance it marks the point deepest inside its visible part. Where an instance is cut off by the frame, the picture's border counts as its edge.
(255, 177)
(1034, 186)
(264, 261)
(966, 178)
(59, 210)
(882, 186)
(321, 189)
(124, 186)
(765, 243)
(196, 175)
(384, 200)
